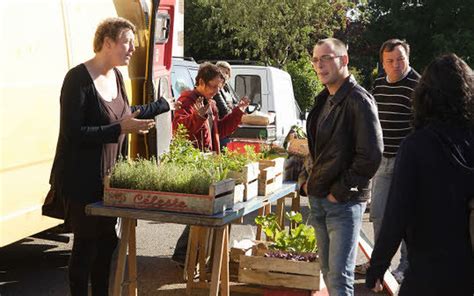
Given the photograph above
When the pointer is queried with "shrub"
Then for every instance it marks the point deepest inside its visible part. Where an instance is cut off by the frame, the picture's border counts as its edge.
(305, 83)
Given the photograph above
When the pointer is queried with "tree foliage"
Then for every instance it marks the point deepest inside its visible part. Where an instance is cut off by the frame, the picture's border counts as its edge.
(431, 27)
(272, 32)
(277, 33)
(305, 83)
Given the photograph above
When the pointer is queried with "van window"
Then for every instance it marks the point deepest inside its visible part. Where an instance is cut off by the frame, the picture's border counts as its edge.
(250, 86)
(181, 80)
(162, 27)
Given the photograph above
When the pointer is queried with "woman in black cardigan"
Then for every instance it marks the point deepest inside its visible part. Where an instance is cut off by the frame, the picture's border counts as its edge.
(428, 203)
(95, 119)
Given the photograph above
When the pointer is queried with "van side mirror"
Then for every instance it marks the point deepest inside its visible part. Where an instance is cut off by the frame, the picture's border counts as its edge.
(252, 108)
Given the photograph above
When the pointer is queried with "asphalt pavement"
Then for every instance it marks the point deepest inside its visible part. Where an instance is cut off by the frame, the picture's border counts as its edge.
(37, 266)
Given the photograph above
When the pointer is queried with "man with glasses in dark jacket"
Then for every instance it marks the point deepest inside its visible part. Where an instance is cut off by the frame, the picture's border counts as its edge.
(345, 141)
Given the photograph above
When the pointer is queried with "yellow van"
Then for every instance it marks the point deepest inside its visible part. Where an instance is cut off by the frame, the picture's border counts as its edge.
(41, 41)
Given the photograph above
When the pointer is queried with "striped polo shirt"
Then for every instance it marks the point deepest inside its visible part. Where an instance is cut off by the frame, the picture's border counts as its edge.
(394, 103)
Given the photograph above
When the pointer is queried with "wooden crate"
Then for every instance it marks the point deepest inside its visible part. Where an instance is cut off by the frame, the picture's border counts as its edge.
(279, 272)
(249, 178)
(271, 175)
(239, 191)
(220, 197)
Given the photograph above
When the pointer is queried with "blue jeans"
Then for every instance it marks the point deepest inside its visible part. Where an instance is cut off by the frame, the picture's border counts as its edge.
(337, 228)
(380, 189)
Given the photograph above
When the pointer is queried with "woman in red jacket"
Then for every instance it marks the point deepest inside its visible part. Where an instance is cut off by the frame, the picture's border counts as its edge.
(199, 112)
(200, 116)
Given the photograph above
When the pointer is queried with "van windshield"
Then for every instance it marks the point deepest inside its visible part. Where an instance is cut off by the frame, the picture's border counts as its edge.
(250, 86)
(181, 80)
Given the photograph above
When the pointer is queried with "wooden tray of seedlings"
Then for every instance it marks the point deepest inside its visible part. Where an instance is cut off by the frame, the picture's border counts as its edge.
(271, 175)
(219, 198)
(248, 177)
(270, 271)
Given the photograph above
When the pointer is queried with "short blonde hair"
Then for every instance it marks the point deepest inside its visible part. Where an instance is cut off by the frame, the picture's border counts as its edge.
(110, 27)
(224, 64)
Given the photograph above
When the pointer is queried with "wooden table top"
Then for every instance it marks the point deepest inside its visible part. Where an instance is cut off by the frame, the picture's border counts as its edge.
(217, 220)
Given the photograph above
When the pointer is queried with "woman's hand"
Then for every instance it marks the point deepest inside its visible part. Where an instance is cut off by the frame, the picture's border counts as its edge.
(243, 103)
(174, 104)
(201, 108)
(130, 124)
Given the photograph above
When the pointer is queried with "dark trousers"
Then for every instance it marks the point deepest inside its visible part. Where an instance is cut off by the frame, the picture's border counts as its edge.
(182, 245)
(94, 243)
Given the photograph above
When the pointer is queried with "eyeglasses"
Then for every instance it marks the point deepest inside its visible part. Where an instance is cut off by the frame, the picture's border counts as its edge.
(323, 59)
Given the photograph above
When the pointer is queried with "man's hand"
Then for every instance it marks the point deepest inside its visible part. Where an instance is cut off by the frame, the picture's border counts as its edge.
(243, 103)
(130, 124)
(331, 198)
(378, 286)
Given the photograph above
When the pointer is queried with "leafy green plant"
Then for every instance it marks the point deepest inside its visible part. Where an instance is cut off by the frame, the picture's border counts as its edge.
(272, 152)
(235, 161)
(182, 150)
(143, 174)
(300, 239)
(184, 168)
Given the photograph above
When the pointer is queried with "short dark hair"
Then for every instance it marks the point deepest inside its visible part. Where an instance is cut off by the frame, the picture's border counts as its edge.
(445, 93)
(390, 44)
(110, 27)
(339, 47)
(207, 72)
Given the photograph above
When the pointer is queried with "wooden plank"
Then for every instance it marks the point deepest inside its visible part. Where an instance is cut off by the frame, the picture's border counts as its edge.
(295, 206)
(258, 235)
(202, 252)
(221, 204)
(269, 185)
(278, 163)
(217, 261)
(191, 257)
(251, 190)
(389, 282)
(216, 220)
(279, 279)
(172, 201)
(249, 173)
(279, 265)
(121, 258)
(221, 187)
(280, 212)
(132, 260)
(225, 263)
(239, 193)
(234, 287)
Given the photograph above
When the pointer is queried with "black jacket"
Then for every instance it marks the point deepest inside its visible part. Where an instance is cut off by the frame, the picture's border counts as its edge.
(226, 100)
(84, 129)
(347, 148)
(427, 206)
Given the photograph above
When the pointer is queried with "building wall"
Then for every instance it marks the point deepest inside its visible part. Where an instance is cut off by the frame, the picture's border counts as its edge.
(178, 34)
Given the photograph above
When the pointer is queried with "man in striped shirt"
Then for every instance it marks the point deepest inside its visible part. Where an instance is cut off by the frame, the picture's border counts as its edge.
(392, 92)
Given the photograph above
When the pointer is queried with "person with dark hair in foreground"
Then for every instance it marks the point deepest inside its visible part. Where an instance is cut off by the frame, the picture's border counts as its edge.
(428, 203)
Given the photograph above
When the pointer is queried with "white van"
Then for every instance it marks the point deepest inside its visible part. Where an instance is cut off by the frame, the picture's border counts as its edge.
(272, 89)
(268, 87)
